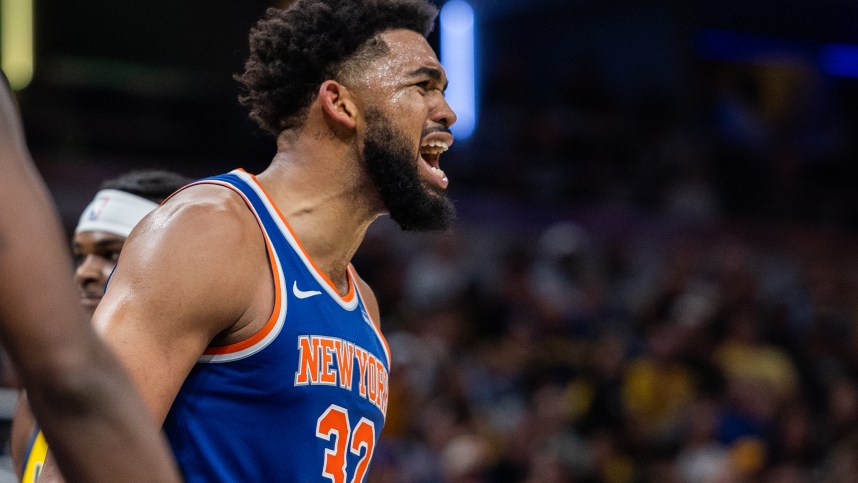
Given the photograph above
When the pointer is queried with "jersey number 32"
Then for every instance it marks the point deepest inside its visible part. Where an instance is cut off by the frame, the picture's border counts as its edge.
(334, 424)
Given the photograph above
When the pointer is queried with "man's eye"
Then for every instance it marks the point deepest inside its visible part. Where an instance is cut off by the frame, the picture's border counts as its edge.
(423, 85)
(78, 259)
(113, 256)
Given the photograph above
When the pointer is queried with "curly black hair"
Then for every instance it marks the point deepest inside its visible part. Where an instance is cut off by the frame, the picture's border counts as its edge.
(154, 185)
(293, 51)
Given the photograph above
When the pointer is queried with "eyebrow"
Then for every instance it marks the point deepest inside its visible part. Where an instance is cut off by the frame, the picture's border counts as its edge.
(432, 72)
(102, 244)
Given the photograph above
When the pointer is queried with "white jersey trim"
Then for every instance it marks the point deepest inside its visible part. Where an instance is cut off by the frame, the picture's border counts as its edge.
(296, 247)
(283, 294)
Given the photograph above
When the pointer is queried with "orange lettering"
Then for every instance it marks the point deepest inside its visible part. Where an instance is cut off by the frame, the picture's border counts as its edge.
(382, 385)
(372, 377)
(346, 363)
(327, 375)
(308, 363)
(361, 356)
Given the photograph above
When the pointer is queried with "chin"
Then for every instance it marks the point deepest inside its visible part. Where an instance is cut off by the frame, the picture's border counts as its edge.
(89, 306)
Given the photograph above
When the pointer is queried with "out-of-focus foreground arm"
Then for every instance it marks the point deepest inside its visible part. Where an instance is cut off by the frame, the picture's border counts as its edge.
(96, 424)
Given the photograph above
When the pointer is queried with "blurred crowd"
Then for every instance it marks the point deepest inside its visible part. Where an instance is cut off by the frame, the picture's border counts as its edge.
(671, 299)
(662, 354)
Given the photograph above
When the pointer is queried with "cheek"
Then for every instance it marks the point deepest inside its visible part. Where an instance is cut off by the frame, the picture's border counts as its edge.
(108, 268)
(410, 103)
(103, 266)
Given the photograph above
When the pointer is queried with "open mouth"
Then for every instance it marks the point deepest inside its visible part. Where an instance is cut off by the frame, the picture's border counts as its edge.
(431, 150)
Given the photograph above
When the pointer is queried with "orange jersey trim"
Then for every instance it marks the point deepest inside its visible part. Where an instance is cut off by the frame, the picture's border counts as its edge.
(278, 302)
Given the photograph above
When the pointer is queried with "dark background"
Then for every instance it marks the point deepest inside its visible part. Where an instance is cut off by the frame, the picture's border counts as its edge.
(577, 101)
(655, 271)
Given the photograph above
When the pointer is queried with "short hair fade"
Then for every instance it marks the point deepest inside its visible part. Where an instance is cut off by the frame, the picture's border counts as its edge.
(293, 51)
(152, 184)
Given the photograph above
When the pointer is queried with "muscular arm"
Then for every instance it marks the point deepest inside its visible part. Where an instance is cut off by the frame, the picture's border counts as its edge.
(188, 274)
(82, 398)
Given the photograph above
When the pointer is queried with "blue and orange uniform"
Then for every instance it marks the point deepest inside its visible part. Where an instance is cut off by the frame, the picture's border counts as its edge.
(305, 398)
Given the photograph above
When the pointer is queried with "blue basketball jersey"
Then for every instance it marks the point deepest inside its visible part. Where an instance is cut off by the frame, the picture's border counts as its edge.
(305, 398)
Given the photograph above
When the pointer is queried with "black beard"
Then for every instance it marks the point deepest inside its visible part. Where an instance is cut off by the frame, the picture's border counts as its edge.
(390, 163)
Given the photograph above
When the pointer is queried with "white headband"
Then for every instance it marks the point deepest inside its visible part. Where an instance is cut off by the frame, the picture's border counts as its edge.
(115, 212)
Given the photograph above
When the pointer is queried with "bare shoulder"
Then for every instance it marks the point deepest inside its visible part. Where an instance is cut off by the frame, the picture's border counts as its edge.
(200, 222)
(199, 206)
(369, 299)
(189, 272)
(198, 256)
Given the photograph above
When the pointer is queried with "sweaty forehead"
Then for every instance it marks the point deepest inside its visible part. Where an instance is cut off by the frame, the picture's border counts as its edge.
(409, 43)
(408, 52)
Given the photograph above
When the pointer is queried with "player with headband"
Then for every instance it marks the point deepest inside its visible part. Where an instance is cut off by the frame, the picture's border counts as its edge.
(103, 227)
(98, 239)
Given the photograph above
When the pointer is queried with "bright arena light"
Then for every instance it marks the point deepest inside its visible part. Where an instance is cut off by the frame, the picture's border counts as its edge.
(458, 57)
(16, 41)
(840, 59)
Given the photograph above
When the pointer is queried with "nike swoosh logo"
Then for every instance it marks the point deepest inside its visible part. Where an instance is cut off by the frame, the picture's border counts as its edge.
(301, 294)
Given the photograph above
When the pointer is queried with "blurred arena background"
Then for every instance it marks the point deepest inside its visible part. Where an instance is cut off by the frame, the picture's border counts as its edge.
(655, 272)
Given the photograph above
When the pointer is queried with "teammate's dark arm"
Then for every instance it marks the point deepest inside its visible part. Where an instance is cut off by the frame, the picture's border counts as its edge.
(96, 424)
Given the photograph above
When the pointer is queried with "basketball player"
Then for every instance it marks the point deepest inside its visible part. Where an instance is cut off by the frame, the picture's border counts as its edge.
(103, 227)
(234, 303)
(79, 392)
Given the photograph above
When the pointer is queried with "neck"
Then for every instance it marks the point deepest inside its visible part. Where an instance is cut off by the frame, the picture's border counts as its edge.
(322, 191)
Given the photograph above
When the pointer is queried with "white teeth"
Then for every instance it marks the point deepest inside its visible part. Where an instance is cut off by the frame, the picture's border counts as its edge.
(442, 146)
(438, 172)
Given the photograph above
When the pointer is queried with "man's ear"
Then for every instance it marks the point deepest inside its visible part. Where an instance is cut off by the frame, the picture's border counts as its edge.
(338, 103)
